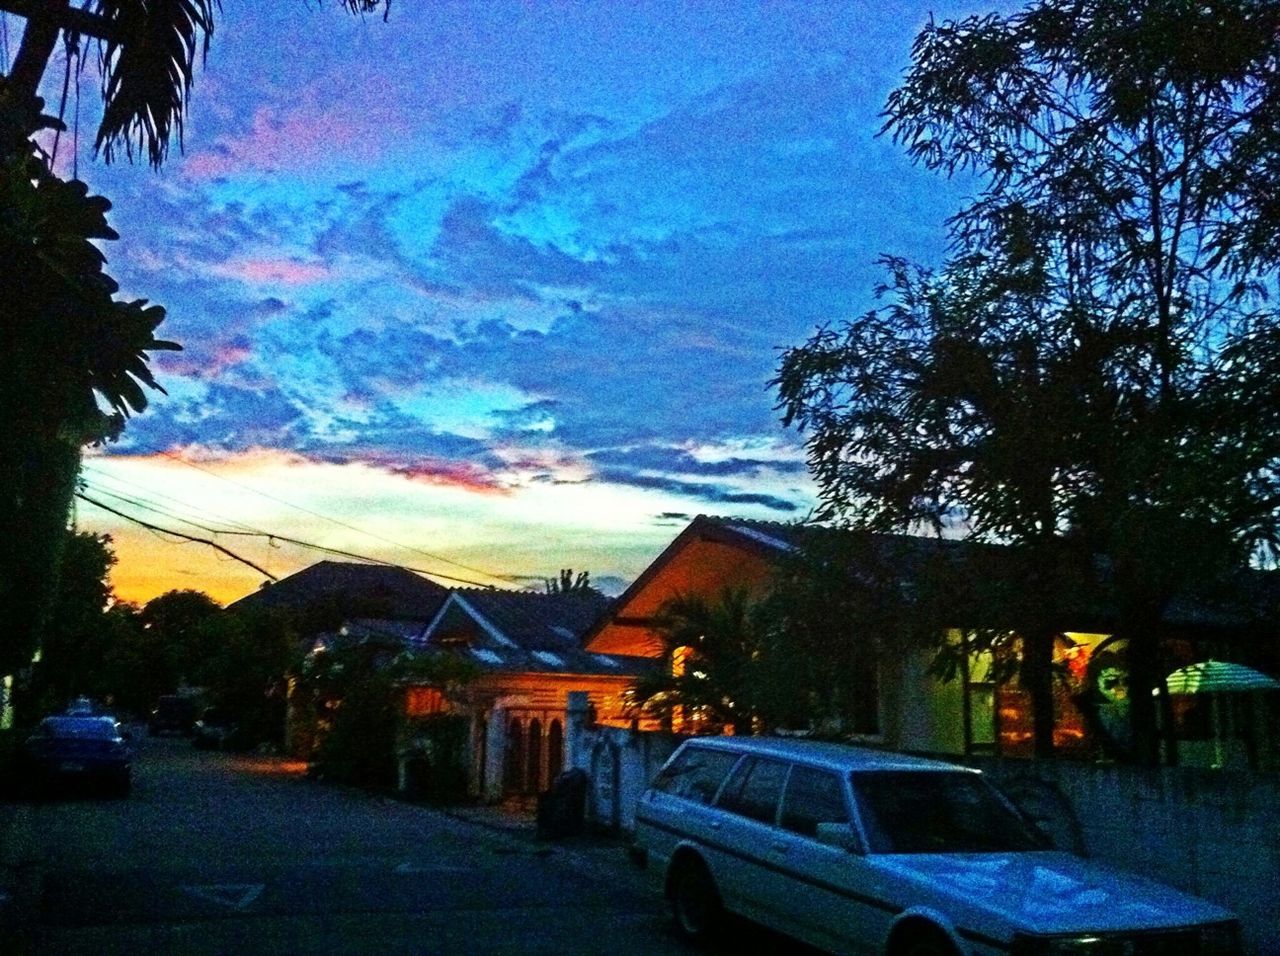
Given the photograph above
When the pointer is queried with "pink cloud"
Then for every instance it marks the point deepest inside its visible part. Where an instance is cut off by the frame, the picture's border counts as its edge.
(454, 474)
(311, 131)
(268, 271)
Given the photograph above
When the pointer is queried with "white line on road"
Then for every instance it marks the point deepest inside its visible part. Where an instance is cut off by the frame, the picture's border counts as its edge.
(237, 896)
(407, 867)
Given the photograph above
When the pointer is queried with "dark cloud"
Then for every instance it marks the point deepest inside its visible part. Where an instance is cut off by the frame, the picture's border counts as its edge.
(696, 490)
(677, 460)
(224, 417)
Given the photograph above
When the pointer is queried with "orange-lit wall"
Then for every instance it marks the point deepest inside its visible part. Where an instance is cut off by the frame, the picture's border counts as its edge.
(541, 691)
(704, 568)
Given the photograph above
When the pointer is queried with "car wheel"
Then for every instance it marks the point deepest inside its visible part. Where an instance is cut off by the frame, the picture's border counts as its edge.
(695, 902)
(927, 942)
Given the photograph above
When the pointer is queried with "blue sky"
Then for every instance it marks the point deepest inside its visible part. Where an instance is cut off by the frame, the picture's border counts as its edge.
(499, 283)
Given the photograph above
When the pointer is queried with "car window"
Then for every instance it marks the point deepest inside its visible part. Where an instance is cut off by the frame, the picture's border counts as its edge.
(813, 797)
(937, 812)
(755, 788)
(71, 727)
(696, 773)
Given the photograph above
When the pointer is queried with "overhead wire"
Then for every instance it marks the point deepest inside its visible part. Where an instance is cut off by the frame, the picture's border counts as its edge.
(187, 506)
(509, 578)
(271, 537)
(151, 527)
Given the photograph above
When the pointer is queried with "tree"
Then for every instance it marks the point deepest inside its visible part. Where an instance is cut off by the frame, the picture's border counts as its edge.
(1093, 369)
(567, 582)
(70, 349)
(78, 637)
(243, 662)
(713, 665)
(172, 648)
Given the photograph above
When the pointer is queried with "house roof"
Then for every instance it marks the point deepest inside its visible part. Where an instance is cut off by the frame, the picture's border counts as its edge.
(973, 572)
(394, 592)
(526, 631)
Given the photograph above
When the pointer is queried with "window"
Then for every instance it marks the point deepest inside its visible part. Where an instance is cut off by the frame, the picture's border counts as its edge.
(813, 797)
(696, 774)
(755, 789)
(906, 811)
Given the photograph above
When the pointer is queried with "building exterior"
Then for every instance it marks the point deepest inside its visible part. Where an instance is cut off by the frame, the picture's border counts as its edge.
(981, 709)
(527, 650)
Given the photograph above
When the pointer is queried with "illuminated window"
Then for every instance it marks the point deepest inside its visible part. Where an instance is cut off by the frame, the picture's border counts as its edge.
(423, 701)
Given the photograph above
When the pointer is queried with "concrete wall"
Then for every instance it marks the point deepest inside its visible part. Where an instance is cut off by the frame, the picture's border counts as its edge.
(1212, 833)
(619, 761)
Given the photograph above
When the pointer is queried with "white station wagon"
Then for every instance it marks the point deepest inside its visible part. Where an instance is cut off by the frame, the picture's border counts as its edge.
(863, 851)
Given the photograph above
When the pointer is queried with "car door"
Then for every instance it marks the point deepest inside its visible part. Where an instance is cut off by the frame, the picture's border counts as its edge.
(837, 907)
(677, 806)
(755, 878)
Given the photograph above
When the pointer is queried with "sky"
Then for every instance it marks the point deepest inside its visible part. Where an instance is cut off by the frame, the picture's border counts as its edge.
(493, 289)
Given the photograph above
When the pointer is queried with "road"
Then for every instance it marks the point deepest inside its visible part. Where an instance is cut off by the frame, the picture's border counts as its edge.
(226, 854)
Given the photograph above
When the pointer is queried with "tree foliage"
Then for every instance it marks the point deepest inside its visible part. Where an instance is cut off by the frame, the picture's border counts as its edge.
(75, 359)
(715, 666)
(1094, 368)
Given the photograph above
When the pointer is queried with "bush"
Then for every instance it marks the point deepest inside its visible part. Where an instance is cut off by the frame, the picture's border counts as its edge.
(10, 740)
(360, 746)
(435, 749)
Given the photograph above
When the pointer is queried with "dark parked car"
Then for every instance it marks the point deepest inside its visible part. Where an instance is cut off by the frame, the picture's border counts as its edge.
(215, 730)
(78, 752)
(172, 715)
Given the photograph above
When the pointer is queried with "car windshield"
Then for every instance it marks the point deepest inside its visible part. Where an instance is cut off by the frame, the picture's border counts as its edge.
(907, 811)
(97, 728)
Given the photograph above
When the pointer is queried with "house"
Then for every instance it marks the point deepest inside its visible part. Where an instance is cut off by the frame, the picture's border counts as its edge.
(527, 648)
(983, 709)
(340, 602)
(349, 589)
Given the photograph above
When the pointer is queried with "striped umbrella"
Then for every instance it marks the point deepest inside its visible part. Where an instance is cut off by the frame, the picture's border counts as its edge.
(1218, 677)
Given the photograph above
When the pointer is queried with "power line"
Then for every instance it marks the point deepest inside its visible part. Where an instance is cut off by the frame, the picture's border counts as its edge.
(271, 536)
(180, 534)
(350, 527)
(186, 505)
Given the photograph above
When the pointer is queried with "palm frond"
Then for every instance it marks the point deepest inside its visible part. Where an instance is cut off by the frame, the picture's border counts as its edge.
(147, 72)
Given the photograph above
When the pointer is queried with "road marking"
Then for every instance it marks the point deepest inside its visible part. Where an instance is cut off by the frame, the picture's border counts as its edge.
(415, 868)
(237, 896)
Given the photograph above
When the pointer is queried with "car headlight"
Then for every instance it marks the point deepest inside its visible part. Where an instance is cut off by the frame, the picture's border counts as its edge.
(1217, 939)
(1082, 945)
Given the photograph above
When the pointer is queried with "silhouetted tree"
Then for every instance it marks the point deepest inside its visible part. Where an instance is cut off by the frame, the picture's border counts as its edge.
(1094, 369)
(78, 638)
(567, 582)
(70, 350)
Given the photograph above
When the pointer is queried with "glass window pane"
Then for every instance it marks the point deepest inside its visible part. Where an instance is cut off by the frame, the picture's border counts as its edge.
(813, 797)
(696, 774)
(938, 812)
(755, 789)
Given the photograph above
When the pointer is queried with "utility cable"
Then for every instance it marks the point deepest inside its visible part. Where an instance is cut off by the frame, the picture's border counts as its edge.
(271, 536)
(179, 534)
(510, 578)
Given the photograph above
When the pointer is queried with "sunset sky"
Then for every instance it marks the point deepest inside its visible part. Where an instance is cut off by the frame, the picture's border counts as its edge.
(493, 289)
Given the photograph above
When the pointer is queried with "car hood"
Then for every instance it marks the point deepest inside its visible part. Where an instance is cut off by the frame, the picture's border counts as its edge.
(1051, 892)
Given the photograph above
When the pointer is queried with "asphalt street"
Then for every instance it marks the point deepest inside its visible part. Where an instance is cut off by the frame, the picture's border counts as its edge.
(226, 854)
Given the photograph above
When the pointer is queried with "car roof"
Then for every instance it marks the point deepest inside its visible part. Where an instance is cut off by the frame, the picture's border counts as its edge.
(835, 756)
(71, 726)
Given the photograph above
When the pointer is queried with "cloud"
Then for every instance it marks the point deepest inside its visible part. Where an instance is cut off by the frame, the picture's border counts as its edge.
(670, 459)
(267, 271)
(696, 490)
